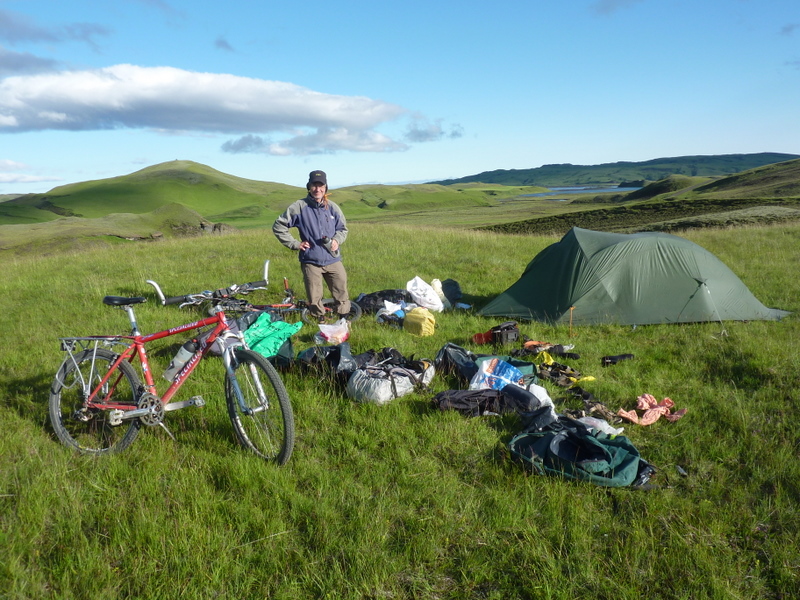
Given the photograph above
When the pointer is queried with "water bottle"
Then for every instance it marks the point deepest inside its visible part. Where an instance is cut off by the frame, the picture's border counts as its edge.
(181, 358)
(326, 242)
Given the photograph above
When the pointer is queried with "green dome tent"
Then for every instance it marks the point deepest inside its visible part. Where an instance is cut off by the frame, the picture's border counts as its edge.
(629, 279)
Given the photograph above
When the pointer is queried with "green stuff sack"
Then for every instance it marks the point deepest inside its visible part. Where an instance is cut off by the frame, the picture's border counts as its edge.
(419, 321)
(574, 451)
(271, 339)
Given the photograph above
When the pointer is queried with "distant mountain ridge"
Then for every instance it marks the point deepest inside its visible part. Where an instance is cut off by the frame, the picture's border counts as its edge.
(619, 172)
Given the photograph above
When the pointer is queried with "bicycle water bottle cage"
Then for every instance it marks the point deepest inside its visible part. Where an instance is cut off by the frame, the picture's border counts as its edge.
(121, 301)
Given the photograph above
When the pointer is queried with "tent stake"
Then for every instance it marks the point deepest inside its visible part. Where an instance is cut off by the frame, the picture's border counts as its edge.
(571, 308)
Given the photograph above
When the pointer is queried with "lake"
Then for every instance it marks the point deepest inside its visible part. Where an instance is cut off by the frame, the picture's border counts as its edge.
(557, 191)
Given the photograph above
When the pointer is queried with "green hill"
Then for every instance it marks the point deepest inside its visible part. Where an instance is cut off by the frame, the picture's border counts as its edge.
(618, 172)
(780, 180)
(209, 192)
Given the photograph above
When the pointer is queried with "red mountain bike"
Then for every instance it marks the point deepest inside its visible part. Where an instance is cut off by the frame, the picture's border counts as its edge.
(98, 401)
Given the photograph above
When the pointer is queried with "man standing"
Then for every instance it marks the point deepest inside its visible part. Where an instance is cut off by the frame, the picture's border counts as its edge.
(322, 229)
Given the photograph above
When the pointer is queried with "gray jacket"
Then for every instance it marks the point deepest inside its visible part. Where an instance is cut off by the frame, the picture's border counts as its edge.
(313, 222)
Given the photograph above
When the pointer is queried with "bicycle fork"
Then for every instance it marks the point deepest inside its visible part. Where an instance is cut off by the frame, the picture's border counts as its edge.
(263, 401)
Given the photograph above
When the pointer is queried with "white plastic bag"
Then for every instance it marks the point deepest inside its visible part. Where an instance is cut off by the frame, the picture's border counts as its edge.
(601, 425)
(335, 333)
(543, 397)
(424, 295)
(495, 374)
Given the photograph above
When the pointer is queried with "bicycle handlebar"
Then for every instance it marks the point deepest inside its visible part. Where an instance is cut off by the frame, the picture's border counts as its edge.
(219, 294)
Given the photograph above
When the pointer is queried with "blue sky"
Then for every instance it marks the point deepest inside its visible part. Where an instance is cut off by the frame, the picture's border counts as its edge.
(388, 93)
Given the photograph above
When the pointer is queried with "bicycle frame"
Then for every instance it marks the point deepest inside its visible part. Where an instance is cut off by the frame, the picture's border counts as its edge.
(98, 397)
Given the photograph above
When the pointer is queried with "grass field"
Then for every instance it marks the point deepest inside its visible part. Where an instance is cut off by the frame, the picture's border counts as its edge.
(402, 501)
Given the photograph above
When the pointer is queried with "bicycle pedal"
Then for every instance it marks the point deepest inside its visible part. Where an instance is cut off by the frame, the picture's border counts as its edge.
(197, 401)
(114, 417)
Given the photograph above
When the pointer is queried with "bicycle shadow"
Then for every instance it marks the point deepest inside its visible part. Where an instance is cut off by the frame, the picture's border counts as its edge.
(27, 396)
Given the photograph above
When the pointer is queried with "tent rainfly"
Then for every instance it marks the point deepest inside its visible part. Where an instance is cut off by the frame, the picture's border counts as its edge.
(592, 277)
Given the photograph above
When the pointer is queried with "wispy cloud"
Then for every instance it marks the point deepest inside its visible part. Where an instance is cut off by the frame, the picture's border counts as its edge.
(15, 28)
(14, 178)
(16, 63)
(10, 173)
(11, 165)
(606, 7)
(790, 28)
(423, 130)
(303, 121)
(222, 44)
(320, 141)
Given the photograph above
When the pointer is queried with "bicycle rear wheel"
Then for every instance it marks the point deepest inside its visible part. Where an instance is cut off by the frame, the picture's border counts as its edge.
(265, 424)
(89, 430)
(330, 312)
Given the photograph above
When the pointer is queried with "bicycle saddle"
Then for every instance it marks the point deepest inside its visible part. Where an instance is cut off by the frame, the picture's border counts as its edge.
(122, 301)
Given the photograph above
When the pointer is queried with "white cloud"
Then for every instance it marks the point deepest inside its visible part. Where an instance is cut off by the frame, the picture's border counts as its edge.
(11, 165)
(170, 99)
(8, 178)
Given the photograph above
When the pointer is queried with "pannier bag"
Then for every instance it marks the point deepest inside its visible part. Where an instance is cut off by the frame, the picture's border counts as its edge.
(372, 303)
(476, 403)
(452, 291)
(455, 360)
(419, 321)
(380, 384)
(505, 333)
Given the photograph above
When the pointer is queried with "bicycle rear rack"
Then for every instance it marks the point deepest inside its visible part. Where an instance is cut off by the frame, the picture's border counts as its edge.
(77, 345)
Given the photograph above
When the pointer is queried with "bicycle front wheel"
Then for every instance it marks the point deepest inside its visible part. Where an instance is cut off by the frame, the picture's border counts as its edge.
(88, 429)
(263, 420)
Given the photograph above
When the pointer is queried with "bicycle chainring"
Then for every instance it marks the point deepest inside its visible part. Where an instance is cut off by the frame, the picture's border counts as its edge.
(156, 416)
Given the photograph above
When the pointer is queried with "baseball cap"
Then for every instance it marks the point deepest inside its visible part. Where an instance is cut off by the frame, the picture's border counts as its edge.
(317, 176)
